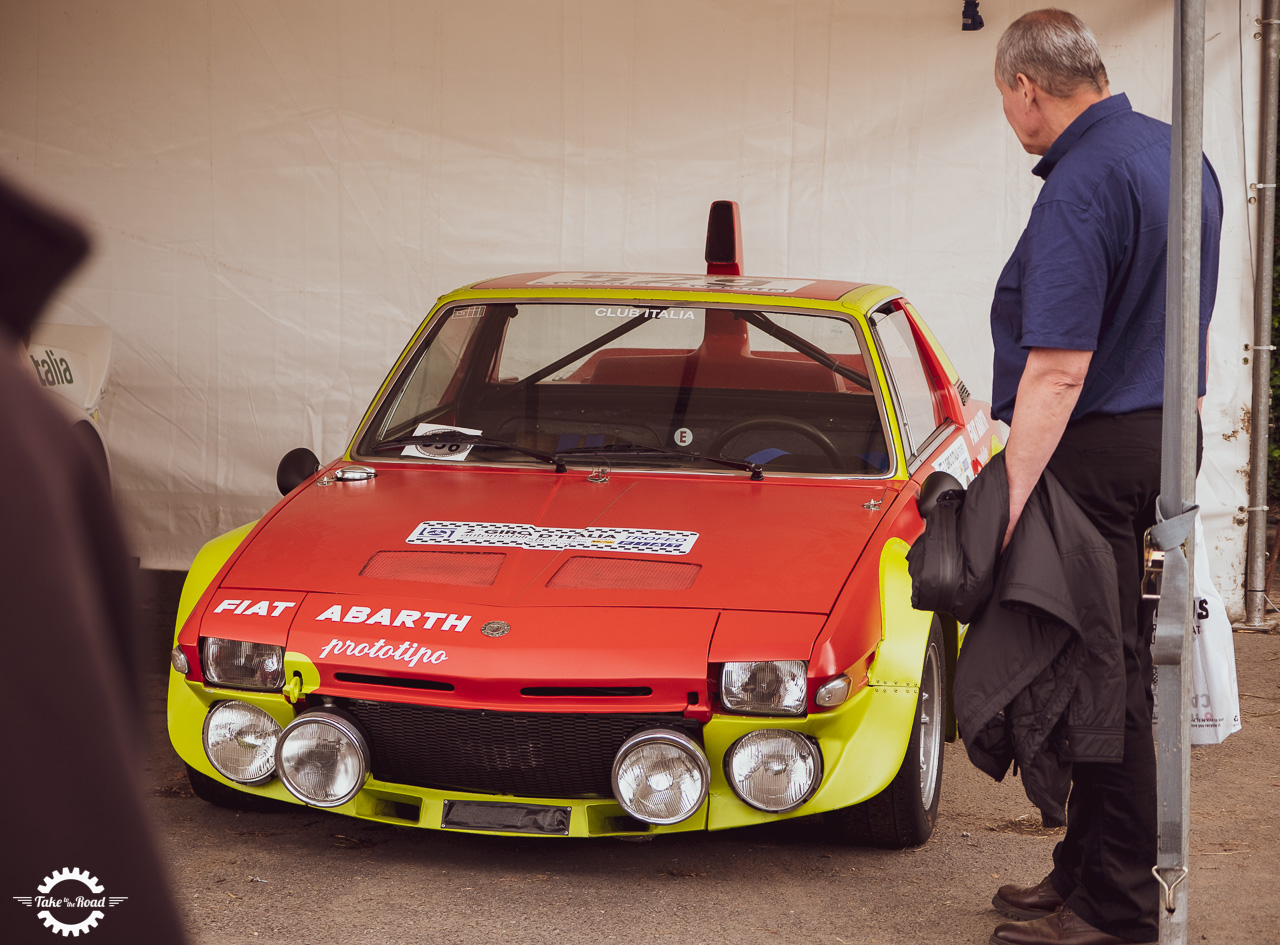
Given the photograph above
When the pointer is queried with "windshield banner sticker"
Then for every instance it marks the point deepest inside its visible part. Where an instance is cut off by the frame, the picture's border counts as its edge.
(665, 281)
(626, 312)
(449, 452)
(493, 534)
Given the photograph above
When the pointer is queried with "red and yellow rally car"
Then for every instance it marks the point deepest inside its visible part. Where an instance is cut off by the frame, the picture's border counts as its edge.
(609, 554)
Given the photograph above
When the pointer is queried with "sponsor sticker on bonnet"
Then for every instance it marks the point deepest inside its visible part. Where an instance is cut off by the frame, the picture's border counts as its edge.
(535, 538)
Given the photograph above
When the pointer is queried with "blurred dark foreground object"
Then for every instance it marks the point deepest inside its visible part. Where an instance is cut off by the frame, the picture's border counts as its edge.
(78, 855)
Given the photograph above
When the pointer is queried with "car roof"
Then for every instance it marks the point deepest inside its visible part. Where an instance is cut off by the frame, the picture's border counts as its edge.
(820, 290)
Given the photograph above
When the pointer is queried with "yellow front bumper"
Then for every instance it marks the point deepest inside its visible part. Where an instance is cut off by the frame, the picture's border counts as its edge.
(863, 743)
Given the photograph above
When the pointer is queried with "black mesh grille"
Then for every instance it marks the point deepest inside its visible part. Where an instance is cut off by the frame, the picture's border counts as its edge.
(525, 754)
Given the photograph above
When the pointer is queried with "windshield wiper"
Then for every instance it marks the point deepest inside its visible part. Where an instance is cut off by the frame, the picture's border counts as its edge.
(756, 470)
(447, 437)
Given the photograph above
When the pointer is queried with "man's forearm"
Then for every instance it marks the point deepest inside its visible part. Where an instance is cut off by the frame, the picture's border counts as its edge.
(1047, 393)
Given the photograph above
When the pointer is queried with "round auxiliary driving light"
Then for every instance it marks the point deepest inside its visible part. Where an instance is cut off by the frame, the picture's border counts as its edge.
(773, 770)
(240, 740)
(660, 776)
(322, 758)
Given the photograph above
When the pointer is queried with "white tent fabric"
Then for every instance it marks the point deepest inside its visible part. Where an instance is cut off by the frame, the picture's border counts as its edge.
(279, 190)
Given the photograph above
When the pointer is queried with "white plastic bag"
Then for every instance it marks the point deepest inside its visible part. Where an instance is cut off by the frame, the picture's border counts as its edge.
(1215, 699)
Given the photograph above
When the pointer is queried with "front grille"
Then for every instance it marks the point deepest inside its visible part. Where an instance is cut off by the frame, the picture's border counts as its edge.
(525, 754)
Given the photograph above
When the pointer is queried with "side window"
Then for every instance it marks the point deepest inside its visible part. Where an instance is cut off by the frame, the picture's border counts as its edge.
(913, 397)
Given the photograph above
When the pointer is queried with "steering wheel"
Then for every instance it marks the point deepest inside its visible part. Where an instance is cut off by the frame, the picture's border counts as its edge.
(807, 430)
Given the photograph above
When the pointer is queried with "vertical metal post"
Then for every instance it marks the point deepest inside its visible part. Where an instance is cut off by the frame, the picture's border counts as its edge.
(1176, 507)
(1255, 599)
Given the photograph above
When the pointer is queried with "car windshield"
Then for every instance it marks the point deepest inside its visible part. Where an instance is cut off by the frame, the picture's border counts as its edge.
(655, 385)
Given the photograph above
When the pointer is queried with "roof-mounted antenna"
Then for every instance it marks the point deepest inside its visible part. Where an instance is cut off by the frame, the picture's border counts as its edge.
(724, 239)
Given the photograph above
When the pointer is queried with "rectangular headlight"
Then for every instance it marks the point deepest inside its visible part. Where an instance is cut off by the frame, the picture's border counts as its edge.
(771, 687)
(238, 664)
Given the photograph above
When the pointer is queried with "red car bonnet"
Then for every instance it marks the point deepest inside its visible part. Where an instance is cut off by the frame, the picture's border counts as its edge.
(488, 619)
(777, 545)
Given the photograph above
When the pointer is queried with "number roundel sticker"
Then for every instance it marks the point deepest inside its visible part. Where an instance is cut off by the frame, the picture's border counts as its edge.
(454, 452)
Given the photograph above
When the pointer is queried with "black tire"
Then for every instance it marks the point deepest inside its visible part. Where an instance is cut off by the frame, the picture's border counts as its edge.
(96, 449)
(904, 813)
(220, 795)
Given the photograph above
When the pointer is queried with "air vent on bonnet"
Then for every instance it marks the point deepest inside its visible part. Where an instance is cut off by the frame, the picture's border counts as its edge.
(470, 568)
(635, 574)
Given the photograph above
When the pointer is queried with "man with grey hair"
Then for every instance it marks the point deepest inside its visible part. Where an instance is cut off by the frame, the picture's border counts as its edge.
(1078, 330)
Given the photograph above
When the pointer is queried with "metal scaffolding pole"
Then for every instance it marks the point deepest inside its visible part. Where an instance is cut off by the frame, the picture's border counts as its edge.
(1256, 570)
(1176, 507)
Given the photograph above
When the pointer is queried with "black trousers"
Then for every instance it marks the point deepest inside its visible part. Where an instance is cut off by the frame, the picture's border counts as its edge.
(1102, 867)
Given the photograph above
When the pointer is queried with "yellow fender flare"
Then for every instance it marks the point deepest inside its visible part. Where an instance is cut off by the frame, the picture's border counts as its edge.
(900, 657)
(209, 561)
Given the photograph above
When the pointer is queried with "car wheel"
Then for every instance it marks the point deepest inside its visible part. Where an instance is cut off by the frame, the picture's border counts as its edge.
(86, 433)
(903, 814)
(218, 794)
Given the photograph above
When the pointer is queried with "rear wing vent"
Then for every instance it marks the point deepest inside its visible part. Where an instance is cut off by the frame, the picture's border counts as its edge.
(962, 391)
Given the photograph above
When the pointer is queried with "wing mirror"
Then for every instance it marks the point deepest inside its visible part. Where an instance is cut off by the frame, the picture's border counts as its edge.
(935, 485)
(296, 467)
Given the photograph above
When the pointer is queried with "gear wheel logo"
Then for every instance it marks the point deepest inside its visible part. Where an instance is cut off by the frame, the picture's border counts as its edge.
(64, 892)
(65, 929)
(80, 876)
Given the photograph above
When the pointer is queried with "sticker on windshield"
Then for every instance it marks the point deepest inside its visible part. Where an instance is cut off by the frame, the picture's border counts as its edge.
(625, 311)
(683, 436)
(449, 452)
(666, 280)
(534, 538)
(956, 461)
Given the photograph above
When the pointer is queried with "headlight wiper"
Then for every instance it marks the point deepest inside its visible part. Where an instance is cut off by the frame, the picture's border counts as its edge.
(635, 449)
(474, 440)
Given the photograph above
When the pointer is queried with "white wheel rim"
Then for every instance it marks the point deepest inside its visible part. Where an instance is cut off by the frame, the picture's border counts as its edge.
(931, 712)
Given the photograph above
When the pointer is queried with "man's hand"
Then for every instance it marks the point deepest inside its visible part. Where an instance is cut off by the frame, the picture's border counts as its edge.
(1047, 394)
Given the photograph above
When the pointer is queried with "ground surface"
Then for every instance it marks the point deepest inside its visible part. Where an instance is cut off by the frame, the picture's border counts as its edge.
(319, 878)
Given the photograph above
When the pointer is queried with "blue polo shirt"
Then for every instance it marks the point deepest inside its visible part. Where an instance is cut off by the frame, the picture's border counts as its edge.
(1089, 270)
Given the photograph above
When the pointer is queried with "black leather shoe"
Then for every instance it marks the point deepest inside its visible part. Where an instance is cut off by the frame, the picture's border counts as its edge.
(1027, 902)
(1063, 927)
